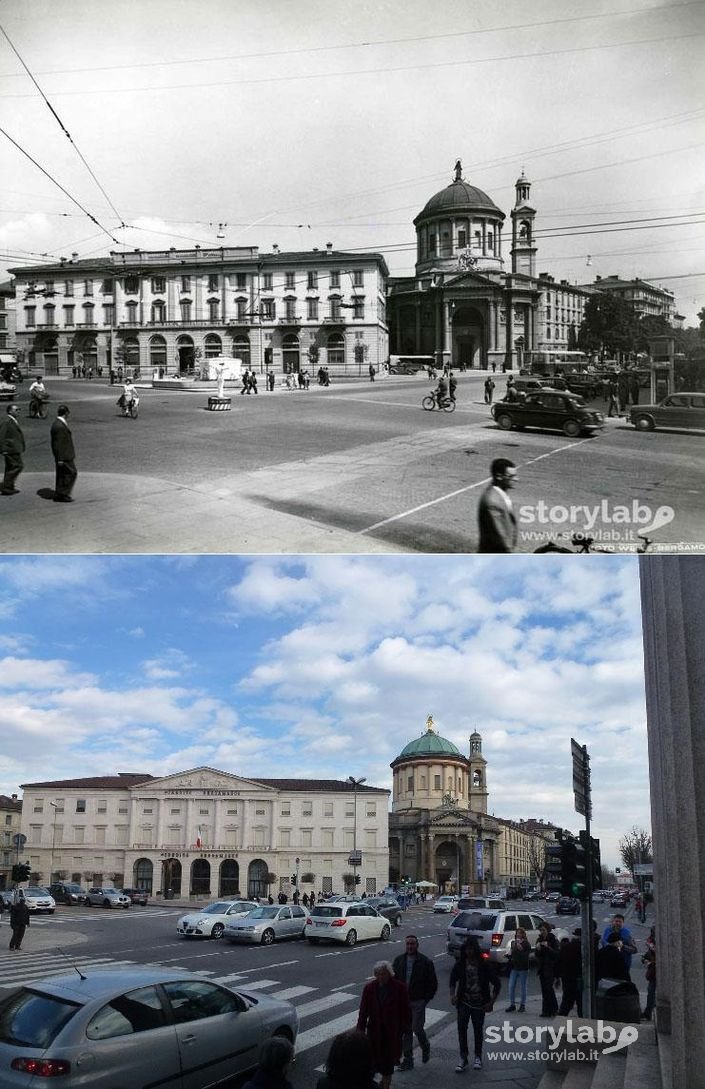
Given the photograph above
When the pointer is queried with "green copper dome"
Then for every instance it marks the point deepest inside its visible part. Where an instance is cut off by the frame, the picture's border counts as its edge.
(429, 744)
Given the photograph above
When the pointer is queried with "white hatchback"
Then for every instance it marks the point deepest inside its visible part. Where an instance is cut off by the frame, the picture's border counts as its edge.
(446, 904)
(347, 923)
(210, 921)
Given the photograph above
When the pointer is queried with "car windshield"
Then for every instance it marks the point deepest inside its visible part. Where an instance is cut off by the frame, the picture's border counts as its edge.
(263, 913)
(28, 1019)
(35, 891)
(474, 920)
(216, 909)
(328, 911)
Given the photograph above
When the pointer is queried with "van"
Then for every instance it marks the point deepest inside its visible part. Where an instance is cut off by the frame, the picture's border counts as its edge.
(480, 903)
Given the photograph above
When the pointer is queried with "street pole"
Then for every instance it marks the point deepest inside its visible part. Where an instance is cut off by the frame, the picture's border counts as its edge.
(53, 840)
(355, 784)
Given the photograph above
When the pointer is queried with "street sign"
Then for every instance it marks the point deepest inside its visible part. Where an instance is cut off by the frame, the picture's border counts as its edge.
(581, 778)
(643, 869)
(19, 840)
(355, 858)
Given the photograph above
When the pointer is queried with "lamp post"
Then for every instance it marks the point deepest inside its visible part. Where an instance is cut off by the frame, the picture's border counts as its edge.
(355, 784)
(53, 840)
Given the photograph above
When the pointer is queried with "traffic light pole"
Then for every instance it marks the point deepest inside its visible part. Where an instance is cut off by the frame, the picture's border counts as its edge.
(587, 945)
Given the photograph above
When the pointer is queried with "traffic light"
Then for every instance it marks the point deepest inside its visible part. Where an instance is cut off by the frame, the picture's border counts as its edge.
(293, 878)
(357, 879)
(596, 864)
(554, 864)
(573, 868)
(21, 871)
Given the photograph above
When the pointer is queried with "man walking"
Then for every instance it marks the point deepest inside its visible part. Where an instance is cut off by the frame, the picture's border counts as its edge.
(64, 456)
(419, 974)
(489, 390)
(12, 446)
(19, 921)
(498, 527)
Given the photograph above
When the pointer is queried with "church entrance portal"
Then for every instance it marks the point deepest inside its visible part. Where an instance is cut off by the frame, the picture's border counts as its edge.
(468, 349)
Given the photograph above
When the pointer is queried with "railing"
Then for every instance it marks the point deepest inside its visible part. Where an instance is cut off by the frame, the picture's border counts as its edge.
(340, 320)
(227, 847)
(290, 320)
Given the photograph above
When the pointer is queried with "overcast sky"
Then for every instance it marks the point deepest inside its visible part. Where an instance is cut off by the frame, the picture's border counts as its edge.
(327, 667)
(303, 123)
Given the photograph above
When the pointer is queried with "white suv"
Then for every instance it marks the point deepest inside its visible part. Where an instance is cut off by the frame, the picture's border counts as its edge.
(347, 923)
(495, 930)
(107, 898)
(38, 899)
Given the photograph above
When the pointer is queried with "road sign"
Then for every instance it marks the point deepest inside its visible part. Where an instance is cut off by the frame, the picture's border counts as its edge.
(355, 858)
(581, 778)
(643, 869)
(19, 840)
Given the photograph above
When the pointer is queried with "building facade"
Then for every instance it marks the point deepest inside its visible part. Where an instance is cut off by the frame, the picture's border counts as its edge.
(8, 316)
(646, 299)
(207, 833)
(10, 827)
(462, 307)
(168, 312)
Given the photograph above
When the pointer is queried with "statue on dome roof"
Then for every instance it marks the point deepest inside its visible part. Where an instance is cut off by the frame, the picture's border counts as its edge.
(429, 724)
(458, 171)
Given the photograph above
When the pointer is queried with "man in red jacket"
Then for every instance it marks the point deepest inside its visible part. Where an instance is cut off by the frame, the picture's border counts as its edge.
(385, 1016)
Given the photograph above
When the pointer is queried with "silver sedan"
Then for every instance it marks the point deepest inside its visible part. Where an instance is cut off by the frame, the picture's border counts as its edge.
(137, 1026)
(265, 925)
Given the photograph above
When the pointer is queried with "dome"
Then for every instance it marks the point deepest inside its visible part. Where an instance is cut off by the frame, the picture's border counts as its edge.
(459, 196)
(430, 744)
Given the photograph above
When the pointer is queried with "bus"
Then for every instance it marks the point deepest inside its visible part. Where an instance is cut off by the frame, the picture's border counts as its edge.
(566, 369)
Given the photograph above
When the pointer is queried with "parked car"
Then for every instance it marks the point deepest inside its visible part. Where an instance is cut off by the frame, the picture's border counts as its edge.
(137, 896)
(107, 898)
(39, 900)
(7, 391)
(494, 931)
(387, 906)
(480, 903)
(267, 923)
(530, 383)
(69, 893)
(347, 923)
(445, 904)
(135, 1027)
(532, 896)
(619, 900)
(552, 897)
(678, 410)
(209, 921)
(549, 410)
(568, 905)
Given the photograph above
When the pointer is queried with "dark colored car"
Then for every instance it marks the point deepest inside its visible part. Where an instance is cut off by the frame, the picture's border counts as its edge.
(583, 385)
(137, 896)
(387, 906)
(678, 410)
(68, 893)
(568, 905)
(549, 410)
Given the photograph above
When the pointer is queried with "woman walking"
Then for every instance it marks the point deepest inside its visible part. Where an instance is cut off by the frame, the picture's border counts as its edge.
(474, 986)
(547, 950)
(518, 957)
(385, 1016)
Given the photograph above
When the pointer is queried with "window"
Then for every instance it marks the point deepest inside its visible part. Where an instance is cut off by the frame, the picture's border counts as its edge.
(462, 239)
(49, 287)
(371, 809)
(185, 308)
(185, 283)
(30, 316)
(358, 308)
(328, 834)
(88, 309)
(286, 809)
(158, 312)
(285, 837)
(490, 241)
(335, 309)
(212, 346)
(312, 281)
(478, 239)
(49, 314)
(327, 809)
(203, 812)
(131, 308)
(100, 836)
(335, 279)
(122, 809)
(147, 810)
(80, 805)
(102, 806)
(307, 809)
(357, 278)
(267, 281)
(432, 244)
(212, 283)
(306, 838)
(88, 287)
(137, 1011)
(68, 315)
(410, 783)
(312, 309)
(213, 307)
(290, 309)
(289, 280)
(132, 285)
(240, 281)
(68, 288)
(158, 285)
(269, 310)
(78, 833)
(350, 809)
(195, 1000)
(436, 782)
(108, 315)
(241, 308)
(106, 287)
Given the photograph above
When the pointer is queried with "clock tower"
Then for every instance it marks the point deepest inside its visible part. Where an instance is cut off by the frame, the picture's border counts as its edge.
(523, 215)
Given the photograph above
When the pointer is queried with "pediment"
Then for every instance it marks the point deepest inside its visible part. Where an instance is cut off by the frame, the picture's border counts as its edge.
(451, 818)
(472, 280)
(201, 780)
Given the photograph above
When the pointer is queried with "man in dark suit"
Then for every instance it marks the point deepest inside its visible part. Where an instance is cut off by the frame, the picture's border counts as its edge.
(419, 974)
(64, 455)
(498, 527)
(12, 446)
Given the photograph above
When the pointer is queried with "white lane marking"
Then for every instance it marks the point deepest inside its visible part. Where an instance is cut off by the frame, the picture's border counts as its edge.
(325, 1003)
(260, 984)
(293, 992)
(345, 987)
(237, 978)
(312, 1037)
(467, 488)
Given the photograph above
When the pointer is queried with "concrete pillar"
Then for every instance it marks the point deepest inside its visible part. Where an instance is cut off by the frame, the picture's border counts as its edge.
(672, 594)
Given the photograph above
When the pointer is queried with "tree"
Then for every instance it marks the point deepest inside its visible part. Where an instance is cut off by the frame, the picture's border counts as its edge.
(537, 858)
(609, 325)
(308, 878)
(701, 319)
(650, 326)
(348, 881)
(635, 848)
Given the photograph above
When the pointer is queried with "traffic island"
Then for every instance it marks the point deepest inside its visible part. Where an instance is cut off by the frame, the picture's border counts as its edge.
(219, 404)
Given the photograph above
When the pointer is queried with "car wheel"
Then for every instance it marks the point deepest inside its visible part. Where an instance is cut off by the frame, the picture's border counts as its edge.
(397, 921)
(386, 931)
(571, 428)
(504, 421)
(217, 931)
(351, 938)
(268, 936)
(106, 904)
(644, 423)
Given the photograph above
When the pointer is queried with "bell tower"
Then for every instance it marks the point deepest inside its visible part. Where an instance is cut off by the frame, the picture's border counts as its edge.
(477, 790)
(523, 216)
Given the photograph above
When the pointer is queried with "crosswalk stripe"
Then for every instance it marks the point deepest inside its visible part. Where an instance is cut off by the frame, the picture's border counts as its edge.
(325, 1031)
(325, 1003)
(19, 978)
(293, 992)
(237, 978)
(260, 984)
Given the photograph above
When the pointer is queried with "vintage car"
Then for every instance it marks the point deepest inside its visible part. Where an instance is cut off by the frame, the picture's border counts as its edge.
(549, 410)
(678, 410)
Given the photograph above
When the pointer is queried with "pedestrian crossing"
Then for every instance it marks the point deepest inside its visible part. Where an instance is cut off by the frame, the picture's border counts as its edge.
(339, 1005)
(100, 914)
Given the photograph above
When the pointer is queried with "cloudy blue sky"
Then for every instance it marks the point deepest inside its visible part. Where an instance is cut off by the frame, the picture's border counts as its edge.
(303, 123)
(328, 666)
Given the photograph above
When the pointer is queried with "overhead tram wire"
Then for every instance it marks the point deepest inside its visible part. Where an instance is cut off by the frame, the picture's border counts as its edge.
(61, 125)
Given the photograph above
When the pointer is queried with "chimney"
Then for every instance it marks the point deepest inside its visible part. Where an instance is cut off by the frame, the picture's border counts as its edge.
(275, 247)
(329, 248)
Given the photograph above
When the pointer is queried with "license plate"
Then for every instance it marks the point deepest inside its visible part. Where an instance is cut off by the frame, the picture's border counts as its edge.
(321, 924)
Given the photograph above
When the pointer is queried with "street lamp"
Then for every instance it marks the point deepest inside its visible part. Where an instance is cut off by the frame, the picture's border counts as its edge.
(53, 839)
(355, 784)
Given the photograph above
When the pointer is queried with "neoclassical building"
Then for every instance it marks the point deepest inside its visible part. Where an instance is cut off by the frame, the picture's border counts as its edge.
(10, 850)
(462, 306)
(207, 832)
(440, 830)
